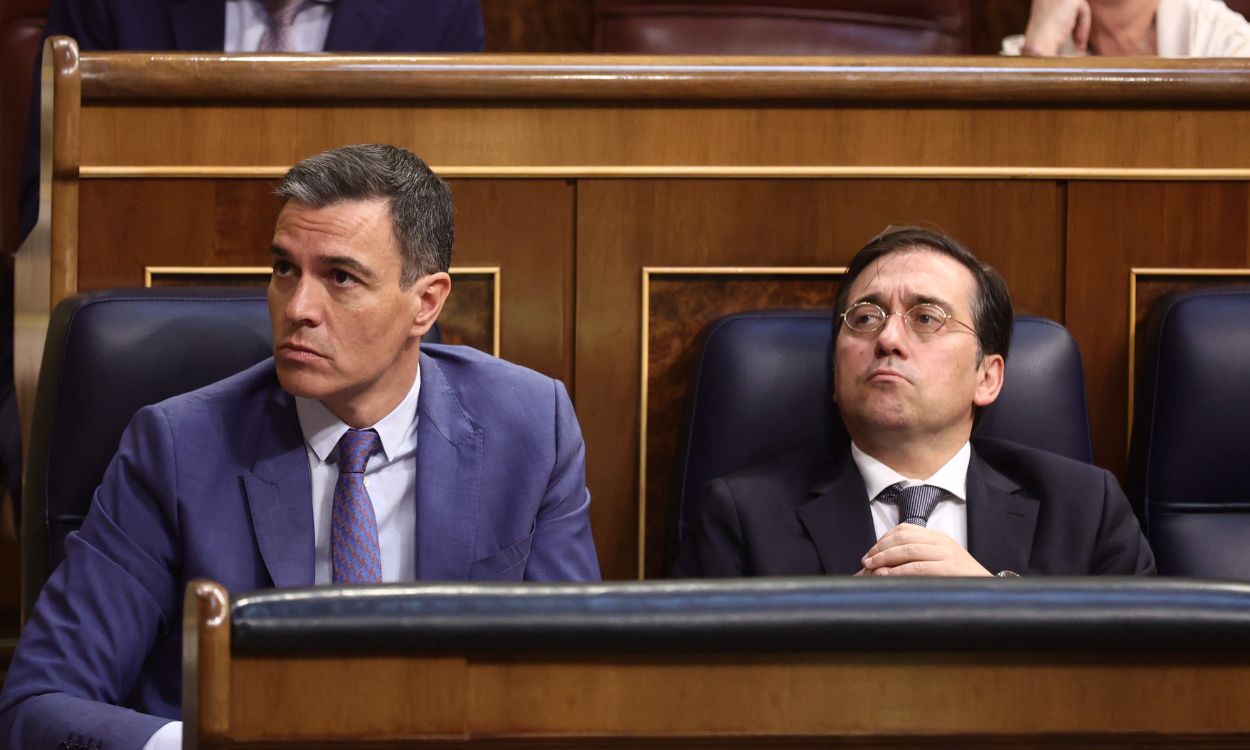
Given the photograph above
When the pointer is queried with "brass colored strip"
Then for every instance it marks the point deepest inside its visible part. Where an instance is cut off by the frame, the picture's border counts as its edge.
(697, 171)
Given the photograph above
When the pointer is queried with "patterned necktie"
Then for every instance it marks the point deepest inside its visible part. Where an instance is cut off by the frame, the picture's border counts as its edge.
(914, 503)
(277, 36)
(354, 552)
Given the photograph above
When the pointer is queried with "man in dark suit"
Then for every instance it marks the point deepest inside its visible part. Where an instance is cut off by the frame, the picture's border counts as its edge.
(216, 25)
(470, 468)
(923, 330)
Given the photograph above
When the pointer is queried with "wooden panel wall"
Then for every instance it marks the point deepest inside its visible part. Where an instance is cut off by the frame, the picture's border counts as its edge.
(575, 180)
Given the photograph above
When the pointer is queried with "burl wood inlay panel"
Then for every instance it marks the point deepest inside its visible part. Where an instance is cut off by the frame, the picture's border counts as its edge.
(679, 307)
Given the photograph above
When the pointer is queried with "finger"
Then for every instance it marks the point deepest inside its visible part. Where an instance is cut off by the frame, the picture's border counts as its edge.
(1084, 20)
(918, 568)
(904, 533)
(906, 553)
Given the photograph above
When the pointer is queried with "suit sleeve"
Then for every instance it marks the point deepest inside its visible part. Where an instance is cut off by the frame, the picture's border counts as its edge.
(716, 547)
(1121, 548)
(102, 610)
(562, 548)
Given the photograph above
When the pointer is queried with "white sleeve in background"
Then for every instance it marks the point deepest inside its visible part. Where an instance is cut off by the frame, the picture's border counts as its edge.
(168, 737)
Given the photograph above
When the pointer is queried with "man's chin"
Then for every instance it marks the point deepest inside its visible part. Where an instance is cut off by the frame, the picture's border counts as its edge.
(297, 381)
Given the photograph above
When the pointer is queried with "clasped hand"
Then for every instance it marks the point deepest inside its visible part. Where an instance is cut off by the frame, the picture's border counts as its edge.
(910, 550)
(1053, 22)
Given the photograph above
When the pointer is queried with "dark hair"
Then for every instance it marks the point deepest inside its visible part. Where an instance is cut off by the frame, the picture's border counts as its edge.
(422, 212)
(991, 305)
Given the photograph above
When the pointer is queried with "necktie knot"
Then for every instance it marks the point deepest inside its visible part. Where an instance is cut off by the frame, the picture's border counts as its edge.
(355, 448)
(277, 36)
(915, 503)
(282, 12)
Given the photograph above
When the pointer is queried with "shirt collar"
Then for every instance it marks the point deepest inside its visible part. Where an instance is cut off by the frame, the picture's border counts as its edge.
(322, 430)
(952, 476)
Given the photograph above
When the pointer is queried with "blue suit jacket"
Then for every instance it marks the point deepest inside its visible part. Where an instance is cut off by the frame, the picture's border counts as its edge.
(216, 484)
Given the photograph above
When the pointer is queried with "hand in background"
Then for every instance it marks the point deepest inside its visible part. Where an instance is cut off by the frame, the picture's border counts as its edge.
(1053, 22)
(910, 550)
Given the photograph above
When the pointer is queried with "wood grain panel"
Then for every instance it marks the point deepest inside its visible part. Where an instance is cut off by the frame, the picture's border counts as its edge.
(1112, 227)
(624, 226)
(131, 224)
(745, 700)
(524, 227)
(538, 25)
(607, 136)
(931, 695)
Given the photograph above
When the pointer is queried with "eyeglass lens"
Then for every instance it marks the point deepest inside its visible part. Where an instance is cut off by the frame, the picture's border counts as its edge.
(867, 317)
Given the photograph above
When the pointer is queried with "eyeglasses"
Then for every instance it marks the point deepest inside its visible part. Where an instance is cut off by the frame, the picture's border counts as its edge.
(925, 318)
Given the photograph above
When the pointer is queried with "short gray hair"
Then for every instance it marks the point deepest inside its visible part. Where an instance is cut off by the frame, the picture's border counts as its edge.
(422, 212)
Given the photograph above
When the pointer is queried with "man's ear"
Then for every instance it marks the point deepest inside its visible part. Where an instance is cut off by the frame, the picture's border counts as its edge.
(989, 379)
(430, 293)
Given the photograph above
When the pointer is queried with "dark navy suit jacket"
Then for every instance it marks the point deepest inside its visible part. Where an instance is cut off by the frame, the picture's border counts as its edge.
(1029, 511)
(215, 484)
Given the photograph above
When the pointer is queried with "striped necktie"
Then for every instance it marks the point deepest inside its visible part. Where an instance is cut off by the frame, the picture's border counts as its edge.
(914, 503)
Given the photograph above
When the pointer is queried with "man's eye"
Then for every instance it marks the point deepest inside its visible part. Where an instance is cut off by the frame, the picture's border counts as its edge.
(281, 267)
(867, 318)
(343, 278)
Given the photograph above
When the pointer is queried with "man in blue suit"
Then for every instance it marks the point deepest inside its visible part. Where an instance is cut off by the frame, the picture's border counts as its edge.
(473, 468)
(213, 26)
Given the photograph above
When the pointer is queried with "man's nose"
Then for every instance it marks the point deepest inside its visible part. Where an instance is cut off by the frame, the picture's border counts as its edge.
(892, 338)
(304, 306)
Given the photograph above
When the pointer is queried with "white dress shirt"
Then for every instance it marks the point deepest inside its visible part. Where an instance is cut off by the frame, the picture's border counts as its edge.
(949, 516)
(391, 479)
(246, 21)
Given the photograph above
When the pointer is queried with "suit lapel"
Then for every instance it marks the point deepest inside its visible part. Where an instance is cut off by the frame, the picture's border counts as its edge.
(839, 520)
(199, 24)
(355, 25)
(1001, 519)
(279, 496)
(449, 475)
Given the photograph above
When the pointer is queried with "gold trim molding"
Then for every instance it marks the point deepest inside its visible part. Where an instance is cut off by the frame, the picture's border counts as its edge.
(150, 273)
(574, 171)
(647, 273)
(1135, 276)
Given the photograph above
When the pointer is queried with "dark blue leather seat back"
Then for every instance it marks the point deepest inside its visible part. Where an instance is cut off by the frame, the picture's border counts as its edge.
(107, 355)
(763, 386)
(1191, 433)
